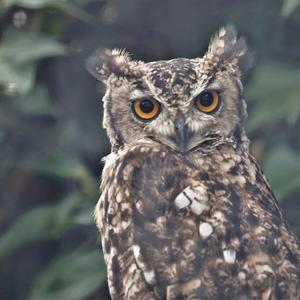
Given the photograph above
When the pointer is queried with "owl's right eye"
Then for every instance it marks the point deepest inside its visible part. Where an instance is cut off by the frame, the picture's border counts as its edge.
(146, 109)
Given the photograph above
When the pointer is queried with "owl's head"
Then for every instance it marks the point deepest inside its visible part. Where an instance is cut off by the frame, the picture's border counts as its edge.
(182, 102)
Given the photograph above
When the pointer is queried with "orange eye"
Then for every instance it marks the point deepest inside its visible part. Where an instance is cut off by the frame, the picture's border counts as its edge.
(146, 109)
(208, 101)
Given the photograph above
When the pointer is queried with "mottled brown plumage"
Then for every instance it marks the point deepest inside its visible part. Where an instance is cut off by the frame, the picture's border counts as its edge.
(197, 221)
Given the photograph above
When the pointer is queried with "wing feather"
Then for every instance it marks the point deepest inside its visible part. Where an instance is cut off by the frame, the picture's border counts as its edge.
(190, 229)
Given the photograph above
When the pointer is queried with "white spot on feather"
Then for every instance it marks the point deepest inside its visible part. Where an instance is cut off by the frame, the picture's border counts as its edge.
(189, 192)
(197, 207)
(222, 32)
(205, 229)
(229, 255)
(136, 94)
(242, 276)
(121, 56)
(241, 180)
(119, 198)
(149, 276)
(201, 193)
(138, 257)
(197, 200)
(148, 273)
(182, 201)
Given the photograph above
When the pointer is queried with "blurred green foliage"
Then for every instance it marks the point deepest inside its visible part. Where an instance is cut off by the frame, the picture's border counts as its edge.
(18, 69)
(50, 147)
(78, 272)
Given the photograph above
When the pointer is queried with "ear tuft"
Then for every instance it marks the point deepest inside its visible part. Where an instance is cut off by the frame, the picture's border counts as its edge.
(226, 46)
(121, 54)
(105, 62)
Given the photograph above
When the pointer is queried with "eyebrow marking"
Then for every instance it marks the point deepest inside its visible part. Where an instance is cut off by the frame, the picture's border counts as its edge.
(137, 93)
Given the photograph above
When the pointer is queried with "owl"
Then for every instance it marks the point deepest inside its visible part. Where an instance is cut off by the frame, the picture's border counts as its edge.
(185, 212)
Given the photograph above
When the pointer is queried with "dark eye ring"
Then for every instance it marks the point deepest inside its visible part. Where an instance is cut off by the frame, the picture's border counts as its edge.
(146, 109)
(208, 101)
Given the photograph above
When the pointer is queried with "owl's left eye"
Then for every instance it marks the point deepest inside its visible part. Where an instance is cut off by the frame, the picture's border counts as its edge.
(208, 101)
(146, 109)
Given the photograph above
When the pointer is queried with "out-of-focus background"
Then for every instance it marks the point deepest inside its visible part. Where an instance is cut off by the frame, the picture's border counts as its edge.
(51, 137)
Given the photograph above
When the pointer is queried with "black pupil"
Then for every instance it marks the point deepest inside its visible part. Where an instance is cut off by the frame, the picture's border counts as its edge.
(146, 106)
(206, 99)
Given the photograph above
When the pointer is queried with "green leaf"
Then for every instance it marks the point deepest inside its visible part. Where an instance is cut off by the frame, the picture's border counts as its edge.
(85, 217)
(18, 57)
(22, 47)
(275, 90)
(18, 78)
(73, 276)
(62, 5)
(35, 4)
(41, 223)
(72, 170)
(32, 4)
(73, 10)
(67, 211)
(29, 227)
(3, 10)
(289, 6)
(36, 102)
(69, 169)
(282, 167)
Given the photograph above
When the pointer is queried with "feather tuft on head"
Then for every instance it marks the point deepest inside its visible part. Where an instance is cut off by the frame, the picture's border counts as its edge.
(104, 63)
(226, 46)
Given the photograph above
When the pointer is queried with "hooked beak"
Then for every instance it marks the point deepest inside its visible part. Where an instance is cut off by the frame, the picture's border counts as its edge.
(181, 135)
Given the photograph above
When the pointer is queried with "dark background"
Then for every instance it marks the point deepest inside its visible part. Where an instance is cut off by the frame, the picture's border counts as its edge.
(51, 137)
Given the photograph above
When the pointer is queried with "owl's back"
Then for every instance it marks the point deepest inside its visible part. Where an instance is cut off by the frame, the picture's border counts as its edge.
(202, 226)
